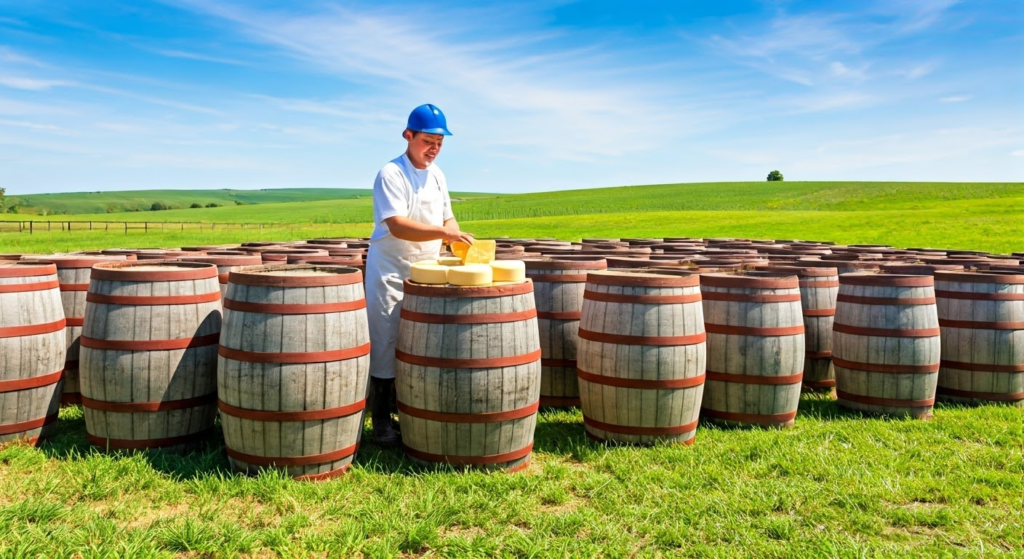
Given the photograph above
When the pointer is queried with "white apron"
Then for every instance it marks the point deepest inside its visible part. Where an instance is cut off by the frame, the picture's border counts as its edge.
(387, 266)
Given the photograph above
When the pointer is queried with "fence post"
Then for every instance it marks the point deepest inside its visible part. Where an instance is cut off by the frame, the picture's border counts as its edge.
(147, 227)
(30, 227)
(126, 228)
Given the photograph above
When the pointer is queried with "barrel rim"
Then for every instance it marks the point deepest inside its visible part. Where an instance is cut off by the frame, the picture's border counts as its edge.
(258, 276)
(73, 261)
(27, 268)
(428, 290)
(717, 279)
(121, 271)
(869, 279)
(800, 271)
(978, 277)
(641, 279)
(558, 263)
(225, 260)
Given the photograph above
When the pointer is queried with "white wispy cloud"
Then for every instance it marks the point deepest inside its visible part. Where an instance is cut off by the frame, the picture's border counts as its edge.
(32, 84)
(43, 127)
(198, 56)
(1017, 153)
(956, 98)
(559, 103)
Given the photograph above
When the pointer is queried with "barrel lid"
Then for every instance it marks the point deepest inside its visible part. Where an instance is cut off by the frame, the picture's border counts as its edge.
(800, 271)
(751, 280)
(647, 277)
(238, 259)
(295, 275)
(66, 261)
(153, 270)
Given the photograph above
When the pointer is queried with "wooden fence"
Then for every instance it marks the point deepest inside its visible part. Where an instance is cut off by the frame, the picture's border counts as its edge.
(126, 226)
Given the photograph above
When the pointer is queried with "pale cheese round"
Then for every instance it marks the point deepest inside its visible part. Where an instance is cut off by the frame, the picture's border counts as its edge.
(449, 261)
(470, 275)
(433, 274)
(508, 270)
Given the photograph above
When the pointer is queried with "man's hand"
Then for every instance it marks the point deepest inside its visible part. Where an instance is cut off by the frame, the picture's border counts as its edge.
(453, 234)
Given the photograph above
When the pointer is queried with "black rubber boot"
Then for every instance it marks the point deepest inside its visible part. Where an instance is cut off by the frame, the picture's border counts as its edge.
(384, 434)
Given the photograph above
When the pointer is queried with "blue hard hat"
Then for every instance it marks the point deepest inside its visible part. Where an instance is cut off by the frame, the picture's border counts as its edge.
(429, 119)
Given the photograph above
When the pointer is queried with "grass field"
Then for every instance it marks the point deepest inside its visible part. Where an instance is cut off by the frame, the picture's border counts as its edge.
(837, 484)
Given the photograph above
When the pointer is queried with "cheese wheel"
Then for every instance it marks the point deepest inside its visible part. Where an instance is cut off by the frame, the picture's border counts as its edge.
(426, 263)
(480, 252)
(509, 270)
(470, 275)
(428, 273)
(449, 261)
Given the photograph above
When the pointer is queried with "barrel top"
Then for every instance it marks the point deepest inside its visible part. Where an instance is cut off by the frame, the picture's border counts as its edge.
(885, 280)
(567, 263)
(65, 261)
(295, 275)
(996, 276)
(26, 268)
(751, 280)
(235, 259)
(801, 271)
(499, 289)
(150, 270)
(643, 278)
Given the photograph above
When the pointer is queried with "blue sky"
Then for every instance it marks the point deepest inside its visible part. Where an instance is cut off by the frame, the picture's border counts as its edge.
(541, 95)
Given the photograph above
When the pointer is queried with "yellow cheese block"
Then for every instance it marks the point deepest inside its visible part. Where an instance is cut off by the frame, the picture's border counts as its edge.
(449, 261)
(435, 274)
(470, 275)
(508, 270)
(480, 252)
(426, 263)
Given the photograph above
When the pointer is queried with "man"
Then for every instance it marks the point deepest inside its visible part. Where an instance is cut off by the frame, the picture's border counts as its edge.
(412, 213)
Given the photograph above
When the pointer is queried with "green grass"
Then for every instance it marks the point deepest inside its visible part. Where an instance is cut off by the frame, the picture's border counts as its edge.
(106, 203)
(837, 484)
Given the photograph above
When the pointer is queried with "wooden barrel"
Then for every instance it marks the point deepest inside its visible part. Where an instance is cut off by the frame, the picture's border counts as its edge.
(148, 353)
(818, 290)
(756, 351)
(468, 374)
(981, 316)
(885, 344)
(558, 294)
(73, 274)
(31, 350)
(293, 369)
(225, 263)
(641, 357)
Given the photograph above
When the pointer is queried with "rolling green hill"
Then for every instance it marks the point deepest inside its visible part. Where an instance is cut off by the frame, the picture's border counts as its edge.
(78, 203)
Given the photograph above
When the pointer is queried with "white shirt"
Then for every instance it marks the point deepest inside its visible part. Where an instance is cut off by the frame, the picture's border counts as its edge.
(401, 189)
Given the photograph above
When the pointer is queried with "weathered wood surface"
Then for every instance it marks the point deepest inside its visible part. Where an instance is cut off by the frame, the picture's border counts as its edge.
(558, 287)
(294, 369)
(32, 350)
(818, 290)
(641, 357)
(73, 274)
(886, 345)
(468, 375)
(756, 349)
(148, 354)
(981, 316)
(225, 264)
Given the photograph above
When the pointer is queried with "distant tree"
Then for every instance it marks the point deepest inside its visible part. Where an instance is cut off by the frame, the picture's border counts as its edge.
(175, 206)
(213, 205)
(158, 206)
(239, 203)
(196, 205)
(3, 204)
(775, 176)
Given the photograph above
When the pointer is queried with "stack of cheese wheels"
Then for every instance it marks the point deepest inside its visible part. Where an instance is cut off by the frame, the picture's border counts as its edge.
(428, 272)
(981, 316)
(641, 357)
(73, 274)
(31, 350)
(293, 369)
(558, 293)
(508, 271)
(755, 348)
(470, 275)
(886, 346)
(468, 374)
(148, 356)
